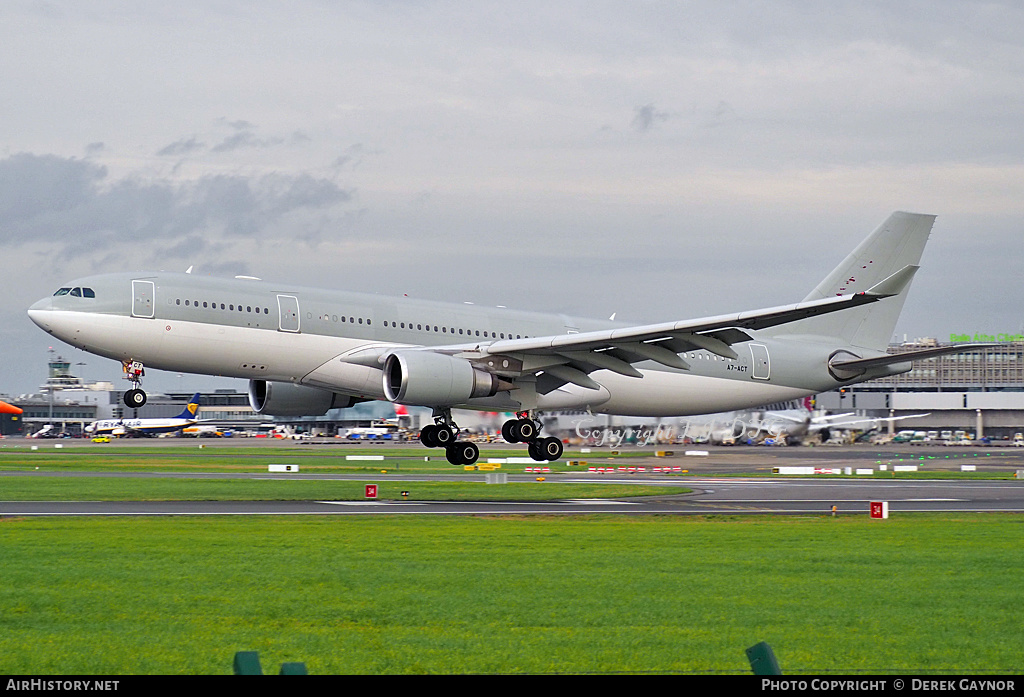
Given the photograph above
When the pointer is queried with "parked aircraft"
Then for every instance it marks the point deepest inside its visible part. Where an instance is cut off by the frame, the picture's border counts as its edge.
(6, 408)
(146, 427)
(306, 350)
(788, 422)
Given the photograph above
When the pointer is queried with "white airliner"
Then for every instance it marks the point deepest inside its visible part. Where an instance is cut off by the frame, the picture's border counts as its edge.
(146, 427)
(784, 422)
(306, 350)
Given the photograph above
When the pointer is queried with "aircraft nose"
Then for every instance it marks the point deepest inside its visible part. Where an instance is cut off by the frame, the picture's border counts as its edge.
(39, 312)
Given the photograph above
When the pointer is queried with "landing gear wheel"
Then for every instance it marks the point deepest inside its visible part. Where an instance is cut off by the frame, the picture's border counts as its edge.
(508, 431)
(526, 430)
(443, 436)
(135, 398)
(535, 451)
(428, 436)
(462, 453)
(550, 448)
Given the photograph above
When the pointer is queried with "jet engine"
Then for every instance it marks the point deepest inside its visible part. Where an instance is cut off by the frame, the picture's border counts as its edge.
(428, 379)
(287, 399)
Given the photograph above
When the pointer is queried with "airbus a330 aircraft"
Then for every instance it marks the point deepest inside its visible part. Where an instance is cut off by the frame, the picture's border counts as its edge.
(305, 350)
(146, 427)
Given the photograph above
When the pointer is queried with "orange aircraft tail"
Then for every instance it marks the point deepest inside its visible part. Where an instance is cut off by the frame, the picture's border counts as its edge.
(6, 408)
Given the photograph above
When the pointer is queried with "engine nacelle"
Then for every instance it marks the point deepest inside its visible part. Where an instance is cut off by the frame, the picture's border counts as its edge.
(287, 399)
(428, 379)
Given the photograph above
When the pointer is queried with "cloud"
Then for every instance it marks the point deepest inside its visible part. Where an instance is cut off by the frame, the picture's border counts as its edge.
(37, 186)
(184, 146)
(244, 139)
(646, 116)
(73, 207)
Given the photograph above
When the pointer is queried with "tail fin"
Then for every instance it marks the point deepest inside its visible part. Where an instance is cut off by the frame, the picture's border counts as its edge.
(190, 409)
(895, 245)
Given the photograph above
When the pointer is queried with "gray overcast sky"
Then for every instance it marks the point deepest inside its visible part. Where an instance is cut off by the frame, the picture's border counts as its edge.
(660, 160)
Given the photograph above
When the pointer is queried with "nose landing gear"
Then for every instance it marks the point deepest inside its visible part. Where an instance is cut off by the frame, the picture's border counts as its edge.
(133, 372)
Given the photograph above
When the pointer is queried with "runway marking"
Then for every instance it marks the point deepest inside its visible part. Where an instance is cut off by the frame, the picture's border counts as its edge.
(372, 503)
(600, 502)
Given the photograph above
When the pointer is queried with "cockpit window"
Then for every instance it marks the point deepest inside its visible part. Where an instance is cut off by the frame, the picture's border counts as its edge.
(77, 292)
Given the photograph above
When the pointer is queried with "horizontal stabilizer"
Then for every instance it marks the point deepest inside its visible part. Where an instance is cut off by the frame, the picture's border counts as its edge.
(894, 358)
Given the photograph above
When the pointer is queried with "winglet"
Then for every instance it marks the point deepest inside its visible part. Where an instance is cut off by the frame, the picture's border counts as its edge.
(895, 284)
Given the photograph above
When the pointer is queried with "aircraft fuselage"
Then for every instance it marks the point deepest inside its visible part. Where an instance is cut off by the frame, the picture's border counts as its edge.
(261, 331)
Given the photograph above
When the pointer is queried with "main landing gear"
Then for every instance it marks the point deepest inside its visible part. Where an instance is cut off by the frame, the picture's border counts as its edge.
(443, 433)
(133, 372)
(526, 429)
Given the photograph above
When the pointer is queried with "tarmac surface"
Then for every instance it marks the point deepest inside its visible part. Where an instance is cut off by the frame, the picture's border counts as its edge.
(749, 487)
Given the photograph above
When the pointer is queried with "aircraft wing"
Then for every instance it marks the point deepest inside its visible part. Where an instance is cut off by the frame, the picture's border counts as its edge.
(568, 358)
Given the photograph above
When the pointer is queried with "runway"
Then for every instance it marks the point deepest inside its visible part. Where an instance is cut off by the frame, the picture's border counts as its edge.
(712, 495)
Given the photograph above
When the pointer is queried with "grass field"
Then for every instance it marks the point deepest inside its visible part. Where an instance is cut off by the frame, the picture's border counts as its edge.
(914, 594)
(921, 594)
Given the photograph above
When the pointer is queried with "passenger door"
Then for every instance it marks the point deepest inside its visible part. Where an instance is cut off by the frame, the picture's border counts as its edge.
(143, 293)
(288, 309)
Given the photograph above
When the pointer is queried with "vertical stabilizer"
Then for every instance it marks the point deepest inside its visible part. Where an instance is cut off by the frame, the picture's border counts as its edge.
(894, 245)
(190, 409)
